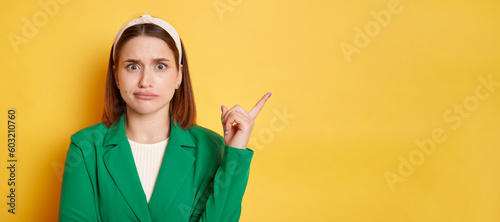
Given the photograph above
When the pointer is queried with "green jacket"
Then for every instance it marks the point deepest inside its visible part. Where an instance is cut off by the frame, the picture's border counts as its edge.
(200, 178)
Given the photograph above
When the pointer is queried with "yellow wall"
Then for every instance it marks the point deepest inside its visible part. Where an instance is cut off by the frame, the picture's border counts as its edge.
(356, 85)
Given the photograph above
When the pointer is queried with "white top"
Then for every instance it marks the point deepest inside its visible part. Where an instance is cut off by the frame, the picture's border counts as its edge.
(148, 158)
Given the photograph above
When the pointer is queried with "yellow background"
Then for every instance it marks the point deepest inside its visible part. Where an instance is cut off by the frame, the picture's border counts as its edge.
(332, 128)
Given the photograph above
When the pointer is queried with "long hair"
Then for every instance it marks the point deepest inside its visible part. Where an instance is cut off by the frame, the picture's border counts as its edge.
(181, 108)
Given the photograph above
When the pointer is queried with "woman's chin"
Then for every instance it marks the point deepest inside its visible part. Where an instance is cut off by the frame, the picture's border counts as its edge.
(147, 110)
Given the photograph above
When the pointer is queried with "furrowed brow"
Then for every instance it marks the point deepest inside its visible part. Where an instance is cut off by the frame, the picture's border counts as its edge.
(161, 59)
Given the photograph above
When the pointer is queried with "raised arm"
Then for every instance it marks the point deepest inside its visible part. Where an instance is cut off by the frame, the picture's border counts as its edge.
(221, 201)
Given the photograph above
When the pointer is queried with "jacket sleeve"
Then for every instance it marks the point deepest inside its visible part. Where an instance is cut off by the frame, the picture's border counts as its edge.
(77, 201)
(221, 200)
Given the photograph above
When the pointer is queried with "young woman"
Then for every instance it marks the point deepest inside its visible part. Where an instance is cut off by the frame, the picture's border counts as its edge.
(148, 160)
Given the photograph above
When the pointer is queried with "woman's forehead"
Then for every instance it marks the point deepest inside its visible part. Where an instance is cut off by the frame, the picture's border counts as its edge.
(146, 48)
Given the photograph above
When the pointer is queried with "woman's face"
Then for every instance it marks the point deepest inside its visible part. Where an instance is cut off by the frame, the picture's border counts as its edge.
(146, 75)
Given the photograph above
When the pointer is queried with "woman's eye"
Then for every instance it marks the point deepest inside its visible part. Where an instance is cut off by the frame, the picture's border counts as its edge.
(133, 67)
(161, 66)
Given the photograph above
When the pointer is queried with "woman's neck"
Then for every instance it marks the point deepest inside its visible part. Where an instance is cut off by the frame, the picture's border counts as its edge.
(149, 129)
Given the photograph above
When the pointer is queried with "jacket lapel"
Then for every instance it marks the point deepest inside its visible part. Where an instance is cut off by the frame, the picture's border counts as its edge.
(120, 164)
(176, 165)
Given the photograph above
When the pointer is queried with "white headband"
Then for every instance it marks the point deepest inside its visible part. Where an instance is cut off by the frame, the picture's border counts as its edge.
(148, 19)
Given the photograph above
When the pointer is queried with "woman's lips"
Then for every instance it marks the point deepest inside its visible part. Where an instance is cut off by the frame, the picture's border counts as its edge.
(145, 95)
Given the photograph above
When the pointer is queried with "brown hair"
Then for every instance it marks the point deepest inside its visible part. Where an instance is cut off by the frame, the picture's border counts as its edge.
(181, 108)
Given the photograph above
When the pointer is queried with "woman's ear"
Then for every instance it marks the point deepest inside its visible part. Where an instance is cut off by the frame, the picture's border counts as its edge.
(179, 75)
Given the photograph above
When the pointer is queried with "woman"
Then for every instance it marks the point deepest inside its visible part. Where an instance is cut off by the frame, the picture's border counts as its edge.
(148, 160)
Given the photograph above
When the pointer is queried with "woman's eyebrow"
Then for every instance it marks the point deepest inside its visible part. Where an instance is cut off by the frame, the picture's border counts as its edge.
(133, 60)
(139, 61)
(161, 59)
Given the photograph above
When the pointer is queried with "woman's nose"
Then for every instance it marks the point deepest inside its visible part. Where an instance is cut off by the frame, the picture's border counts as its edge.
(145, 79)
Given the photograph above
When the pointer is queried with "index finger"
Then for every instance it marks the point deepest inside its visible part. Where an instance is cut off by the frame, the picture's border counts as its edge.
(256, 109)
